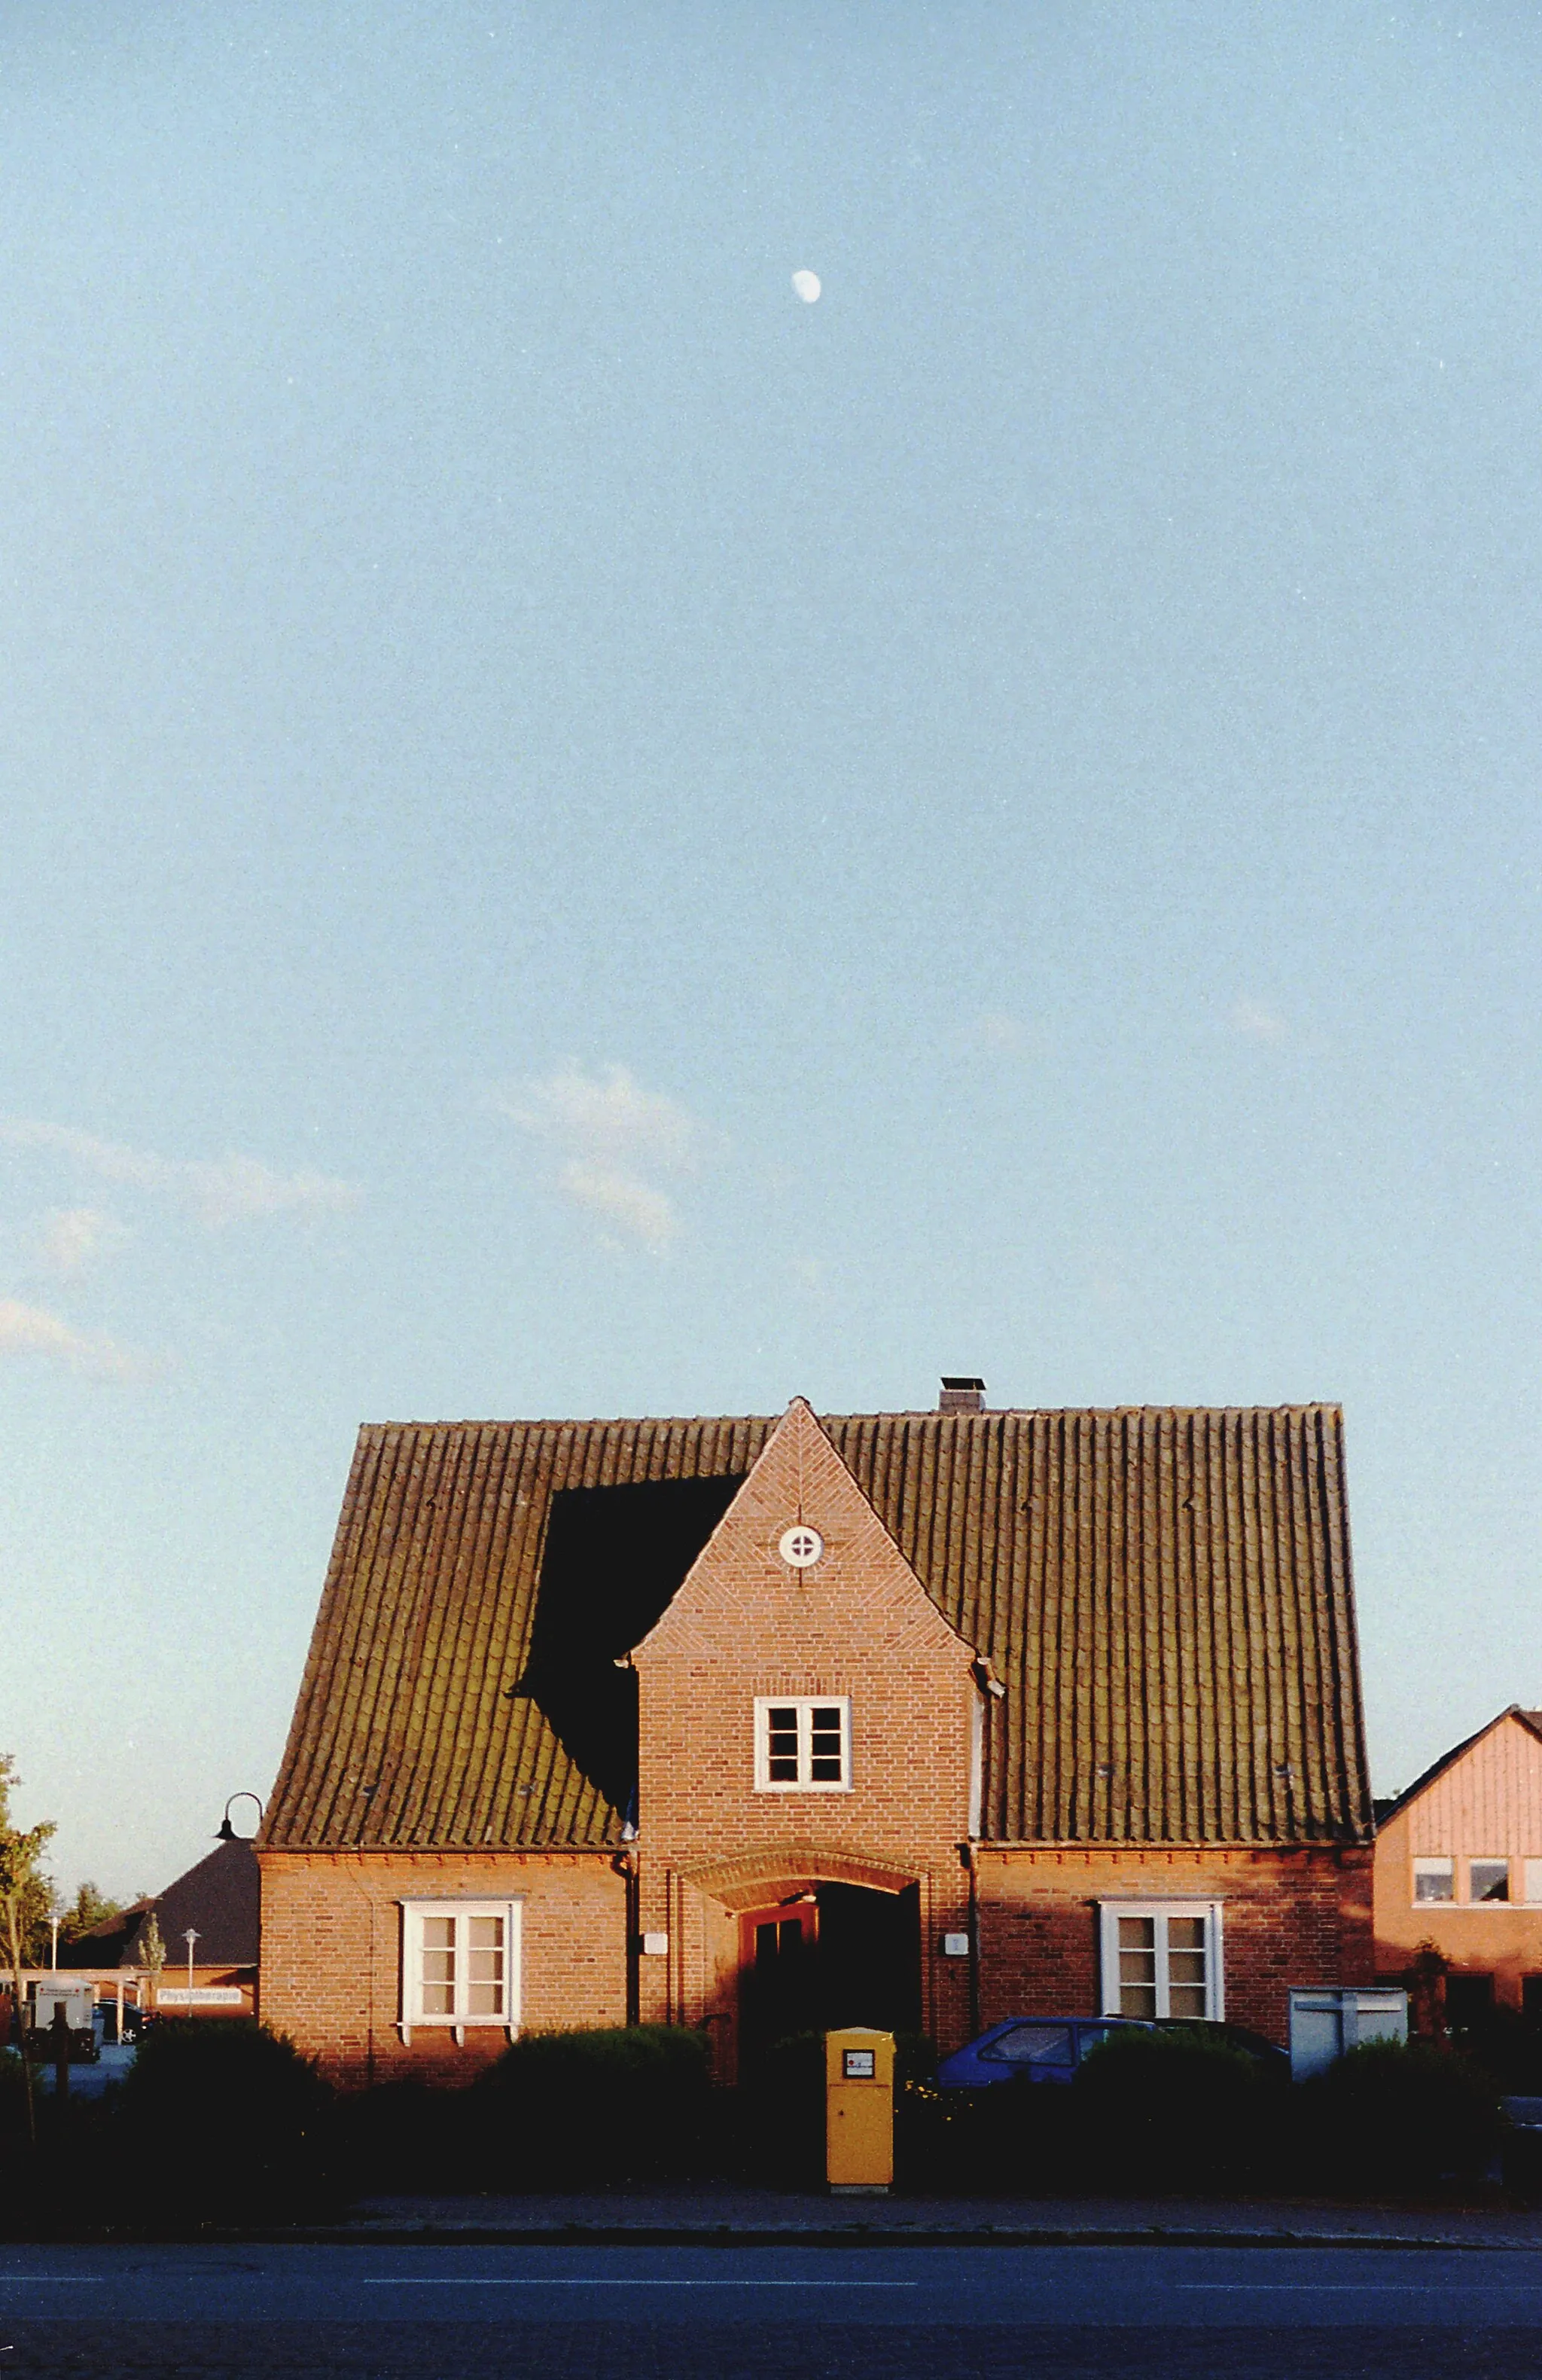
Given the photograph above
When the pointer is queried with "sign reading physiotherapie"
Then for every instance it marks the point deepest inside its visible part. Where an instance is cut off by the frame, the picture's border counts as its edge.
(201, 1996)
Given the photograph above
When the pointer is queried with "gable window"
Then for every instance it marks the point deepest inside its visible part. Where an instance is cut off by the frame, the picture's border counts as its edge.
(460, 1965)
(802, 1744)
(1161, 1959)
(1434, 1879)
(1488, 1879)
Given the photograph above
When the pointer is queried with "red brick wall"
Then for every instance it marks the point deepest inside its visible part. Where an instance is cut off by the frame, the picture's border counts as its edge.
(1289, 1917)
(331, 1952)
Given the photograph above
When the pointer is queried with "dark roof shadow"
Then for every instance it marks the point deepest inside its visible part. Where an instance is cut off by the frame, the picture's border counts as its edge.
(614, 1559)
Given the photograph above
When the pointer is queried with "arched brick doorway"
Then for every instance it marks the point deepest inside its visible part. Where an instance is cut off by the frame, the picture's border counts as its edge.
(804, 1948)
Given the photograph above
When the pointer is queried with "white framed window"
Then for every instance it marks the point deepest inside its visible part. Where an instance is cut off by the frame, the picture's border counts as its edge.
(1435, 1879)
(1532, 1880)
(1161, 1959)
(1488, 1879)
(802, 1744)
(459, 1966)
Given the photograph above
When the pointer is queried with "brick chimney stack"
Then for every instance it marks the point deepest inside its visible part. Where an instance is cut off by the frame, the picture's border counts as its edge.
(960, 1395)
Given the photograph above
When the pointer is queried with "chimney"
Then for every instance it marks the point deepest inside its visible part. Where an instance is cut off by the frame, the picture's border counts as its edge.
(960, 1395)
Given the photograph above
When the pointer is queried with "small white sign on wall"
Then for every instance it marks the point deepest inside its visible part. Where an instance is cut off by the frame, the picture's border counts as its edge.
(656, 1946)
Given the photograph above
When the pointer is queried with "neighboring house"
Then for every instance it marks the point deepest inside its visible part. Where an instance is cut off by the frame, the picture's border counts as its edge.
(917, 1719)
(1459, 1868)
(219, 1898)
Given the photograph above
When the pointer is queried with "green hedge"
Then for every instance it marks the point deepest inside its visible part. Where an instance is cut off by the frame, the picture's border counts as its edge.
(1177, 2109)
(617, 2104)
(219, 2118)
(1397, 2116)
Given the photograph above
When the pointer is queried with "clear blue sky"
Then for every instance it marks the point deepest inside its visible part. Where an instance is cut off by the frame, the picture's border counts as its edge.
(580, 836)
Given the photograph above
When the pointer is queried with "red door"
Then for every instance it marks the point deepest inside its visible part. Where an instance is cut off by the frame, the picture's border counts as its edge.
(777, 1972)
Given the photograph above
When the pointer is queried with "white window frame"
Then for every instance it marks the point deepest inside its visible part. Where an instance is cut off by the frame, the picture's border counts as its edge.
(1109, 1914)
(1433, 1864)
(1531, 1882)
(412, 2018)
(804, 1704)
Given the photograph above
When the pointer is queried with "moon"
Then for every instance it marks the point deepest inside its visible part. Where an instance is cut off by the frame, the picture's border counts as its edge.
(807, 285)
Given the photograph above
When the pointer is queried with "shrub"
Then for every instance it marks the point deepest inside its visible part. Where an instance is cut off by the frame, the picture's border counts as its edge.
(1168, 2109)
(1398, 2116)
(408, 2136)
(219, 2117)
(617, 2104)
(13, 2088)
(1003, 2136)
(1507, 2046)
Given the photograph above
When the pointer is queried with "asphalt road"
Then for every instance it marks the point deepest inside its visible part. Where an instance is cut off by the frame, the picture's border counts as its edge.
(816, 2314)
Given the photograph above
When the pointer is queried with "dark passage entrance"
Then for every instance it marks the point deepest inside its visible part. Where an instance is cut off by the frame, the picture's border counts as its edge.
(829, 1954)
(869, 1957)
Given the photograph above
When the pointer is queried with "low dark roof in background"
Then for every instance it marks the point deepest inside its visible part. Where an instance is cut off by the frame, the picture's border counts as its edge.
(221, 1896)
(1165, 1593)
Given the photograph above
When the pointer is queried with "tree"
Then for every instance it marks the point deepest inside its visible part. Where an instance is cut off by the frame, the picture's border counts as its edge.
(27, 1895)
(152, 1955)
(26, 1906)
(89, 1908)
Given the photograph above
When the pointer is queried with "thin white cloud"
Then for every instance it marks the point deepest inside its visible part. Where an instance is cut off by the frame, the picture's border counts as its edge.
(226, 1190)
(614, 1141)
(993, 1029)
(72, 1237)
(33, 1331)
(1259, 1024)
(641, 1213)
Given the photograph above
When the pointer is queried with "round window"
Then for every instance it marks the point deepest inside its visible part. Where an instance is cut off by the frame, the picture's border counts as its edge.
(800, 1547)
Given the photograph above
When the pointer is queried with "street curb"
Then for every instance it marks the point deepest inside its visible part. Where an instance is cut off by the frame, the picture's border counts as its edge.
(611, 2235)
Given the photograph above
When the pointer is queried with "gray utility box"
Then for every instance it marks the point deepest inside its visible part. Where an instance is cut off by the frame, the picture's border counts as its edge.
(1326, 2021)
(77, 2000)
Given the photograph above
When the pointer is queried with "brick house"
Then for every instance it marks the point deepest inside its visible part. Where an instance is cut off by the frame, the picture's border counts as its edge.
(918, 1719)
(1459, 1869)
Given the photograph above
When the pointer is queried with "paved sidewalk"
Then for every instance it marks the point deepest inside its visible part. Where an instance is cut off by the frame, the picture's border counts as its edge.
(717, 2214)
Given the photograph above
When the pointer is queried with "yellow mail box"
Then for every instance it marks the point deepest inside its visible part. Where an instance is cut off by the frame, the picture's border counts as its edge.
(859, 2110)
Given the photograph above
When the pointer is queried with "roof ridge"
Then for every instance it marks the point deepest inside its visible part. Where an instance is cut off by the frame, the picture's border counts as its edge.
(823, 1414)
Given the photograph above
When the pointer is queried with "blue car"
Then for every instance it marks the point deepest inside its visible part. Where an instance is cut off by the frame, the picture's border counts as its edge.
(1050, 2048)
(1034, 2049)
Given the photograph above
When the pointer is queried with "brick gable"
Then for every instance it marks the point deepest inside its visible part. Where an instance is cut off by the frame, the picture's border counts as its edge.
(859, 1624)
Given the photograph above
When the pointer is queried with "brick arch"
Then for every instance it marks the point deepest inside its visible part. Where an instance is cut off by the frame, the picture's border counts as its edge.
(743, 1882)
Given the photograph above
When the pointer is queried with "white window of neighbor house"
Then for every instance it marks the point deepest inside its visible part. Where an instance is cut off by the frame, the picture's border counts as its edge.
(460, 1965)
(1534, 1880)
(1161, 1959)
(802, 1744)
(1434, 1879)
(1488, 1879)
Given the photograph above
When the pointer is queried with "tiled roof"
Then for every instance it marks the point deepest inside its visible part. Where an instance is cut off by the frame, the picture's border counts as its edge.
(1165, 1593)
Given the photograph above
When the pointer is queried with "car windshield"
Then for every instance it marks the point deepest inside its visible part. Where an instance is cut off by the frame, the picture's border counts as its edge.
(1033, 2045)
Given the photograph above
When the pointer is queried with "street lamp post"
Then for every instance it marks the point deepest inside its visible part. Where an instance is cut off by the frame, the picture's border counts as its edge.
(190, 1937)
